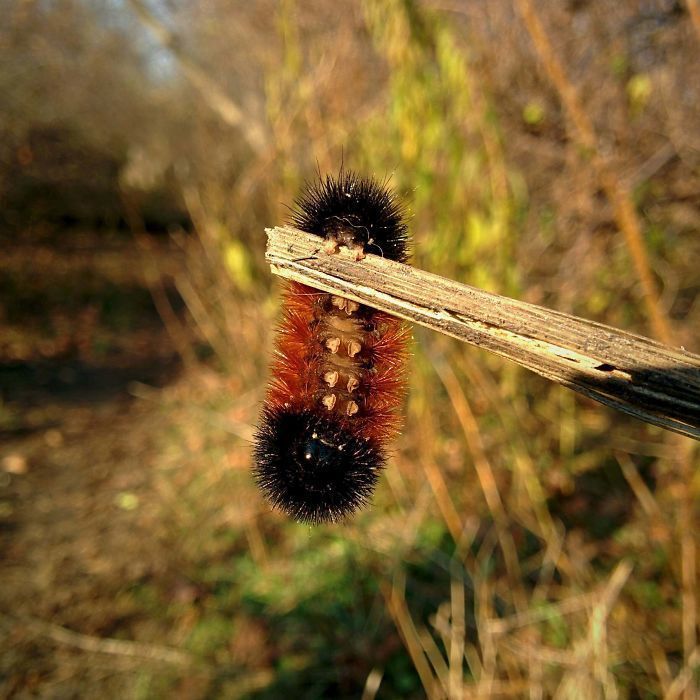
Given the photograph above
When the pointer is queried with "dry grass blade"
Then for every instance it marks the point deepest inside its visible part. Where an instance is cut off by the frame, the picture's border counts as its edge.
(396, 604)
(487, 480)
(374, 680)
(640, 489)
(619, 196)
(694, 9)
(683, 680)
(598, 633)
(457, 640)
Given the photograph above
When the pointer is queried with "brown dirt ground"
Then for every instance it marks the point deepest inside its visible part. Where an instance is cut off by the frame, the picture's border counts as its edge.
(74, 444)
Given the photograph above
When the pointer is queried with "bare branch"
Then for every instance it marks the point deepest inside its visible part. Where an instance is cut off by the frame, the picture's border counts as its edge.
(214, 96)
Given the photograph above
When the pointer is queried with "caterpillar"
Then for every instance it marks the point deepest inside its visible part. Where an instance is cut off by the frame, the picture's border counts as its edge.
(338, 375)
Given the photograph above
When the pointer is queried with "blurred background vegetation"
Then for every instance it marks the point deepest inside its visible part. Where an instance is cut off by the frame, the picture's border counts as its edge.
(524, 541)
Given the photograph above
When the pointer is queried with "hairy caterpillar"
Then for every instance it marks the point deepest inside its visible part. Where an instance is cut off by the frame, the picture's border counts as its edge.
(338, 373)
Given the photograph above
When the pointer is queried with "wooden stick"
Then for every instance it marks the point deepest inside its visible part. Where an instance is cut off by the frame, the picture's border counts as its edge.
(648, 380)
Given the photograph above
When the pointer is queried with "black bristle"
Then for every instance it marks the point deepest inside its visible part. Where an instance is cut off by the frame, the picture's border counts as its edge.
(313, 468)
(368, 209)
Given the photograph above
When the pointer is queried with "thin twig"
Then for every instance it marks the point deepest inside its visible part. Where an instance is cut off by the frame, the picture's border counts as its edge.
(154, 281)
(103, 645)
(396, 604)
(651, 381)
(694, 10)
(221, 103)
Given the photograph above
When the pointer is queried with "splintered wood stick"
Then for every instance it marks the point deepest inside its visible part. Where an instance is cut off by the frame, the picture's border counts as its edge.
(648, 380)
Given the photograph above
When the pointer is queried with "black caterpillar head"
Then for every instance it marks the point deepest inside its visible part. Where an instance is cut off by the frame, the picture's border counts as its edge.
(354, 209)
(313, 468)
